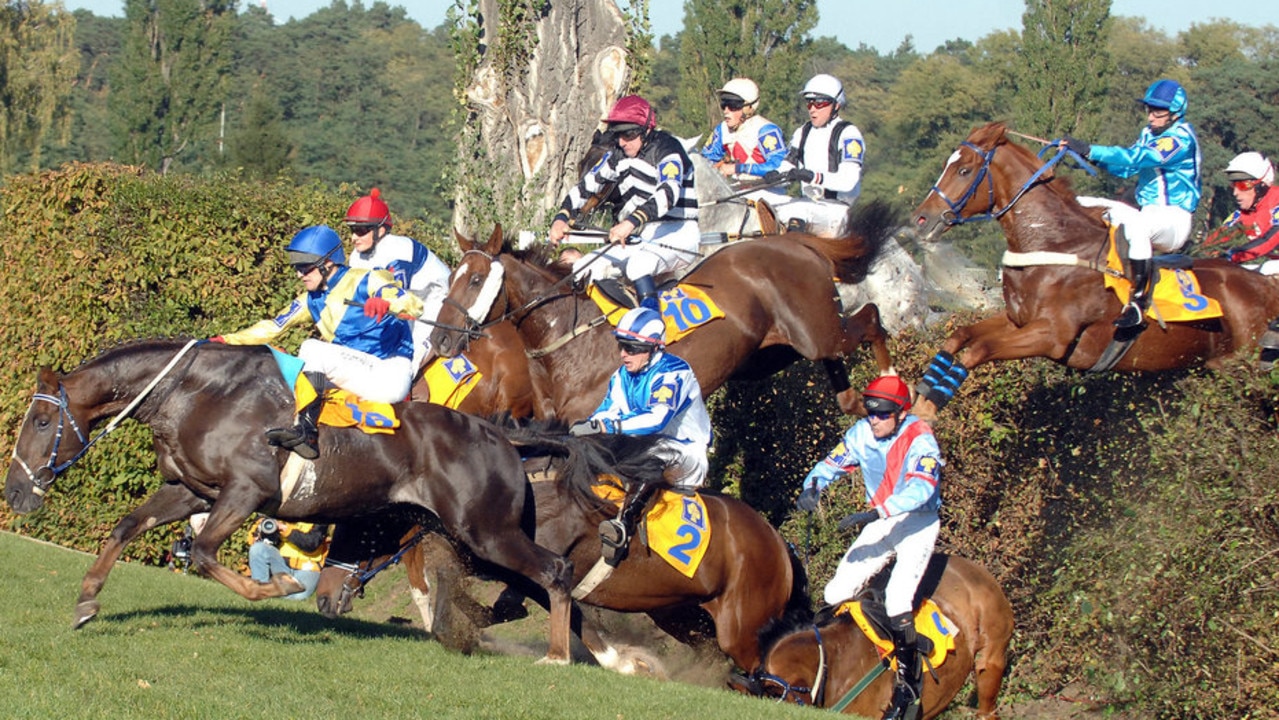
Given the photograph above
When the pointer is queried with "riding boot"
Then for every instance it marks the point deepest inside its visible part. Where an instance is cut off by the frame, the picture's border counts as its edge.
(304, 437)
(1139, 302)
(646, 290)
(615, 534)
(907, 690)
(1269, 343)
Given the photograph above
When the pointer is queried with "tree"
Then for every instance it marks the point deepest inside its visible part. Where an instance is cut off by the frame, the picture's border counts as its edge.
(261, 145)
(38, 65)
(1063, 83)
(534, 80)
(765, 40)
(168, 89)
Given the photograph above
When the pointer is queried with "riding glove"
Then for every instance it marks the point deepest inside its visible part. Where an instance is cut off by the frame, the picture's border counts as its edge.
(375, 307)
(802, 175)
(858, 519)
(1077, 145)
(585, 427)
(773, 177)
(807, 500)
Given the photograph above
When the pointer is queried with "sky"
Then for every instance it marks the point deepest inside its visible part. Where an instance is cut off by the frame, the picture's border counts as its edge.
(881, 25)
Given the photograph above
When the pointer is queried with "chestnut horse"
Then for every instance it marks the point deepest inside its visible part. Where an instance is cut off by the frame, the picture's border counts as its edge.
(748, 577)
(778, 296)
(208, 406)
(509, 383)
(820, 667)
(1056, 304)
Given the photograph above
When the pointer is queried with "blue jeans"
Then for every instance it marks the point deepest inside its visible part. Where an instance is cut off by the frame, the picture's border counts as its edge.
(265, 560)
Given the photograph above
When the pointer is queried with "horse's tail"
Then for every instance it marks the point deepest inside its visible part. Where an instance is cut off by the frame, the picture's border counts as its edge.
(870, 228)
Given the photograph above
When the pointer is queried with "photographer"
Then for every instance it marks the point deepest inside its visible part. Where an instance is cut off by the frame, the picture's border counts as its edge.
(297, 550)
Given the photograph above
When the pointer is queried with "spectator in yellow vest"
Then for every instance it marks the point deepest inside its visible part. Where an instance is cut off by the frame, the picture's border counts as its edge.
(296, 549)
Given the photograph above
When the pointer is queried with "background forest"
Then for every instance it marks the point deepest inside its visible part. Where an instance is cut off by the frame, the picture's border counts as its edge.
(153, 164)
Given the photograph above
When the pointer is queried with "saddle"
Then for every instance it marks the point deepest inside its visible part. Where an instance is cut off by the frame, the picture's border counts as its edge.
(623, 294)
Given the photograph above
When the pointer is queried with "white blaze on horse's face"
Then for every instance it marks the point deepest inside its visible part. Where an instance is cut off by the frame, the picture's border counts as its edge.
(954, 158)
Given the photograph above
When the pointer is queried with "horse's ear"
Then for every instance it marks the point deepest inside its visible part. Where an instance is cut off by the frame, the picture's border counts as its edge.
(989, 134)
(494, 245)
(463, 242)
(46, 380)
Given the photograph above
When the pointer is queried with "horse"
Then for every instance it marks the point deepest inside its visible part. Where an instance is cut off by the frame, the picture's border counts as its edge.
(208, 405)
(1057, 306)
(775, 311)
(748, 577)
(509, 383)
(819, 666)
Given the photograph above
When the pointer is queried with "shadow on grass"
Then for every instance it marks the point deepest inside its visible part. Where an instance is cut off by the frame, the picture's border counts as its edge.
(305, 626)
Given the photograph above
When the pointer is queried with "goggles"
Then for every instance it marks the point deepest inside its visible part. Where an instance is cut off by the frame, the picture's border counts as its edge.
(304, 269)
(734, 105)
(819, 103)
(631, 347)
(631, 134)
(362, 228)
(1244, 185)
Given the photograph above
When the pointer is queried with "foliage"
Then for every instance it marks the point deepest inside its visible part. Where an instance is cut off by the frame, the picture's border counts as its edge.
(37, 66)
(1063, 78)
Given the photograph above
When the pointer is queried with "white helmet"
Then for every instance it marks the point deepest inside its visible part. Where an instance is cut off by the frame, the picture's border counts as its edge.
(824, 85)
(643, 326)
(1251, 166)
(744, 88)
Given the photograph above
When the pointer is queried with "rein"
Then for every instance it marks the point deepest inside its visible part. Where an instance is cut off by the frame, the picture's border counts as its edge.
(954, 217)
(357, 578)
(44, 476)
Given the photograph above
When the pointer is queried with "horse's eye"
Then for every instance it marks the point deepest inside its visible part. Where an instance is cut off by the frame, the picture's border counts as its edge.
(476, 280)
(965, 171)
(42, 423)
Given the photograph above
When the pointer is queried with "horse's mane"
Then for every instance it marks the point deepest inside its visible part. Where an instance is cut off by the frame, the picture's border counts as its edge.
(870, 228)
(996, 133)
(541, 256)
(136, 345)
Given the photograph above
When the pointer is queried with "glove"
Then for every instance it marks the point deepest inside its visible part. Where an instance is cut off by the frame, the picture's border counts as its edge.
(802, 175)
(376, 307)
(585, 427)
(807, 500)
(773, 177)
(218, 339)
(858, 519)
(1077, 145)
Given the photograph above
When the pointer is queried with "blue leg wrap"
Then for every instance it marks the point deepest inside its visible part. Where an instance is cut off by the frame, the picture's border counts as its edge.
(937, 369)
(942, 393)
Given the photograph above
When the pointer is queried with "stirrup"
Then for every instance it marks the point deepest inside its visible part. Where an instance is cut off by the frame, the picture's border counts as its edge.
(1131, 317)
(613, 541)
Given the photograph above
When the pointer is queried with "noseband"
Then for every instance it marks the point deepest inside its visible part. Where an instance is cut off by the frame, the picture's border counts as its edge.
(799, 694)
(954, 217)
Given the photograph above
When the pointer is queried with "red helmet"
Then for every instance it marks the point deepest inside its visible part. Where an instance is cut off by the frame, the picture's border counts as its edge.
(632, 110)
(886, 393)
(369, 210)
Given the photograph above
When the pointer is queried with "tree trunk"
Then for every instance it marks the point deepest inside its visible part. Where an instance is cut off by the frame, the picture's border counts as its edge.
(532, 107)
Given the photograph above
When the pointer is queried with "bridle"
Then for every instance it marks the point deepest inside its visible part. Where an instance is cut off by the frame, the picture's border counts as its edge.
(799, 694)
(953, 215)
(357, 577)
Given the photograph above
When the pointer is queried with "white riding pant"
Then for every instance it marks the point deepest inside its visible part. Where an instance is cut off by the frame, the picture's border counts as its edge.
(686, 463)
(910, 536)
(665, 245)
(1154, 227)
(827, 218)
(422, 332)
(370, 377)
(1269, 267)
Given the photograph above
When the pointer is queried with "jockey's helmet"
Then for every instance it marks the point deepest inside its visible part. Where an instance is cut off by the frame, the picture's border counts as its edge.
(825, 86)
(369, 210)
(643, 326)
(742, 89)
(1167, 95)
(1251, 166)
(631, 113)
(886, 393)
(314, 245)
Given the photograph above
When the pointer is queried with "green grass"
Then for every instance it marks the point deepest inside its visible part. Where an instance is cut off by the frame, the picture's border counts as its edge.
(176, 646)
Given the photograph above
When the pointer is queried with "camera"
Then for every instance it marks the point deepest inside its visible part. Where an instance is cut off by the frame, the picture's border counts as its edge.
(269, 530)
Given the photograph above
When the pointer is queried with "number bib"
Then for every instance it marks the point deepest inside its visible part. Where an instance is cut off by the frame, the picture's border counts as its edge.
(686, 308)
(679, 530)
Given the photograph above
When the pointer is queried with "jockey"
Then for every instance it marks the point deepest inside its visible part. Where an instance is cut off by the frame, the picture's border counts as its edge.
(826, 155)
(415, 267)
(900, 466)
(658, 202)
(744, 145)
(652, 393)
(1252, 180)
(1166, 161)
(366, 348)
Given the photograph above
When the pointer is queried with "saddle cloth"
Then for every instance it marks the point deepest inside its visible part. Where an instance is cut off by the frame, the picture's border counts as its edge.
(341, 408)
(684, 309)
(677, 527)
(1176, 298)
(450, 380)
(930, 624)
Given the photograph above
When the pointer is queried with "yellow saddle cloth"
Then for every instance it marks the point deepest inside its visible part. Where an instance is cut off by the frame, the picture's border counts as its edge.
(930, 622)
(1177, 297)
(346, 409)
(684, 308)
(450, 380)
(678, 527)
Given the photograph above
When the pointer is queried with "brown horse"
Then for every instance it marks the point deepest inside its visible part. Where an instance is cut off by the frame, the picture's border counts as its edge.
(777, 294)
(509, 383)
(820, 666)
(1057, 305)
(748, 577)
(208, 406)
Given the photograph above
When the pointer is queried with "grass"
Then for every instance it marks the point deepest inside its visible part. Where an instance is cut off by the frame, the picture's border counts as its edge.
(172, 645)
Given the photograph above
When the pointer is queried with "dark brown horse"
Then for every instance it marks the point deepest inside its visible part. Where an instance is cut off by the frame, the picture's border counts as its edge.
(819, 667)
(208, 406)
(1057, 305)
(748, 576)
(778, 296)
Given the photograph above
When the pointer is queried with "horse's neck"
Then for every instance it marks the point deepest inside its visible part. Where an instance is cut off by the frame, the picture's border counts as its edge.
(544, 307)
(1043, 221)
(106, 385)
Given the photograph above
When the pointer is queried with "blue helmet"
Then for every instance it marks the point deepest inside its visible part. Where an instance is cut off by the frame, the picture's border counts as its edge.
(642, 325)
(314, 245)
(1168, 95)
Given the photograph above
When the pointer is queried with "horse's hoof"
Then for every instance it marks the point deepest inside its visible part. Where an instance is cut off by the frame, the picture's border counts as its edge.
(548, 660)
(84, 612)
(288, 584)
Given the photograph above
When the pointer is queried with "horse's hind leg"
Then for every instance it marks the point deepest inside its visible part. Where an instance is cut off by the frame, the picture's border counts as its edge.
(513, 550)
(172, 502)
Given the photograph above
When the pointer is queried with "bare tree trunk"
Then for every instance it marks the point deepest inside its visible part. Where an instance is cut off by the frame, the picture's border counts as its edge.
(532, 110)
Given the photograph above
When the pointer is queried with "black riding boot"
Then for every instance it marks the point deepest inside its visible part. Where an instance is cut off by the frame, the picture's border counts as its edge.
(646, 291)
(908, 688)
(304, 437)
(615, 534)
(1269, 343)
(1139, 302)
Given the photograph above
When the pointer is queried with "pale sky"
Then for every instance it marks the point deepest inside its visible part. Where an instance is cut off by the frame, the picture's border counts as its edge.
(881, 25)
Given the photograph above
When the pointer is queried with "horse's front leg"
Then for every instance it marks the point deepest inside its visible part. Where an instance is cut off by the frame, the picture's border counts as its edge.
(229, 513)
(863, 326)
(172, 502)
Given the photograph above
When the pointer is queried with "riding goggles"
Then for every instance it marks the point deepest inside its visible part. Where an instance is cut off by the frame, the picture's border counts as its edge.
(362, 228)
(819, 103)
(634, 348)
(731, 104)
(1244, 185)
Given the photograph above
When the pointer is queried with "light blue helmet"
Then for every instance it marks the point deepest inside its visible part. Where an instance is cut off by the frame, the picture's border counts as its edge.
(315, 244)
(1168, 95)
(642, 325)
